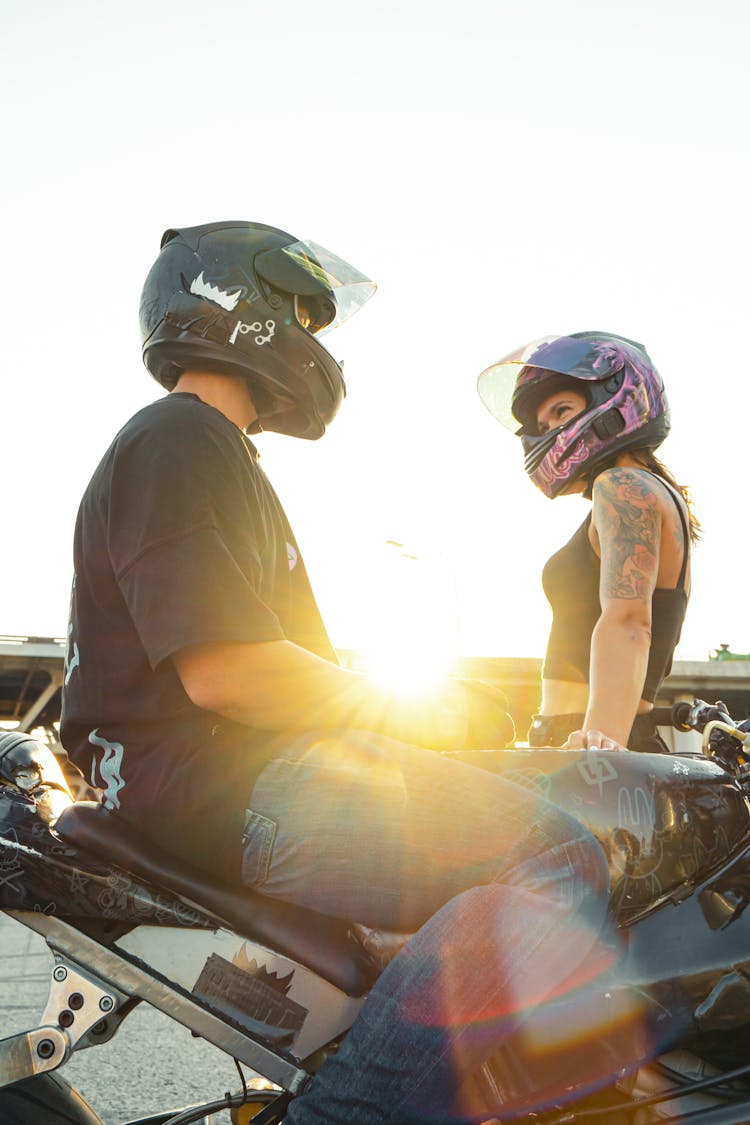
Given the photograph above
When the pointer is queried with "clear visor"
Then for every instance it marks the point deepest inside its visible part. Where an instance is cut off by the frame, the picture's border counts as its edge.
(350, 289)
(499, 385)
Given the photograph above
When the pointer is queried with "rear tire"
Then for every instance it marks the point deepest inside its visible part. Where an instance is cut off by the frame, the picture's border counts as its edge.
(45, 1099)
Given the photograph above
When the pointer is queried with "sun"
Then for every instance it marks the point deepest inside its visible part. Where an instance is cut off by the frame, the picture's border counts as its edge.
(409, 670)
(410, 643)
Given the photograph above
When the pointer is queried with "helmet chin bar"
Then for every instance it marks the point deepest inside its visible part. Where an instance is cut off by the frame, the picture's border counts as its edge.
(607, 425)
(543, 444)
(280, 414)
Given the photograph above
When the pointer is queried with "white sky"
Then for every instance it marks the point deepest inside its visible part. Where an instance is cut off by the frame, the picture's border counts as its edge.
(503, 170)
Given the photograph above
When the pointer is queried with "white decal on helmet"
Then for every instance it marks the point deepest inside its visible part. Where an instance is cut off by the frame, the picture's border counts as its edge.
(256, 326)
(292, 556)
(202, 288)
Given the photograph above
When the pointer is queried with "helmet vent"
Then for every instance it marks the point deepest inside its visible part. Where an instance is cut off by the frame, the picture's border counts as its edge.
(608, 425)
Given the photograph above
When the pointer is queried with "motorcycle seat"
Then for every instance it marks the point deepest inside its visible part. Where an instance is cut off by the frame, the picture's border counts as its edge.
(328, 946)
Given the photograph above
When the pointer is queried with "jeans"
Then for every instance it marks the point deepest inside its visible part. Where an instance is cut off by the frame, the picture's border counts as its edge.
(506, 896)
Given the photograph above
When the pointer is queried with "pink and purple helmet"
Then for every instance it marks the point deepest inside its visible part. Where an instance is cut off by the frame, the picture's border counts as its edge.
(626, 404)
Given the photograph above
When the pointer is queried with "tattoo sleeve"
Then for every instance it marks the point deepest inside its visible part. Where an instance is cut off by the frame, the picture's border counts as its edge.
(628, 521)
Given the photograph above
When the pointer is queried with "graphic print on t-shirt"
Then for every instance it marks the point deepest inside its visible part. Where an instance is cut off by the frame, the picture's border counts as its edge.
(72, 656)
(109, 769)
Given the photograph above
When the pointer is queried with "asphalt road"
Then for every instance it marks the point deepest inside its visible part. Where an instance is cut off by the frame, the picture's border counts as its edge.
(151, 1064)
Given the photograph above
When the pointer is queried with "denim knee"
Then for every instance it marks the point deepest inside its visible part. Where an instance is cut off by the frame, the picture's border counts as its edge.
(564, 861)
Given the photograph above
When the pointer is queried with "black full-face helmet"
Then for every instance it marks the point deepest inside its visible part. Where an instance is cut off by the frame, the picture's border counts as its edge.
(247, 299)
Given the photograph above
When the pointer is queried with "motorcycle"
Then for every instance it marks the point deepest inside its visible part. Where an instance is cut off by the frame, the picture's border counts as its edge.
(276, 986)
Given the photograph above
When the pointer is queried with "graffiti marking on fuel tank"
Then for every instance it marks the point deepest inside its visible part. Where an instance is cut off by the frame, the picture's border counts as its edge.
(596, 770)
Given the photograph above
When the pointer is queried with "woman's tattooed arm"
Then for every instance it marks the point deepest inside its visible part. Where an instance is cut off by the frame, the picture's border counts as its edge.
(627, 520)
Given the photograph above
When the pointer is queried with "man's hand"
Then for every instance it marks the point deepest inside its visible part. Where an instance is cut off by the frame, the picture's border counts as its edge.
(458, 714)
(489, 725)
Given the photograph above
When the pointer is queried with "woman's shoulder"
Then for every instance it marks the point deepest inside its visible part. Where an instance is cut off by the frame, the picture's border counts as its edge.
(628, 483)
(633, 491)
(633, 476)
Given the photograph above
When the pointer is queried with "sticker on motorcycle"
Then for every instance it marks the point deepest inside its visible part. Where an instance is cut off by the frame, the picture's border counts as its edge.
(596, 770)
(242, 987)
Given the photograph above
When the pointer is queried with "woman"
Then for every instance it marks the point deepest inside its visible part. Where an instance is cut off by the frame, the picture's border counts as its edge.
(590, 409)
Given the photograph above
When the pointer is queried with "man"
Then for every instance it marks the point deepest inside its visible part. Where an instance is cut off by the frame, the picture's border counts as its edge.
(203, 696)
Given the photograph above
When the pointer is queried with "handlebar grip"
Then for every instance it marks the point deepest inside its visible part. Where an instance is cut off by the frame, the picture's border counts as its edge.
(662, 716)
(680, 715)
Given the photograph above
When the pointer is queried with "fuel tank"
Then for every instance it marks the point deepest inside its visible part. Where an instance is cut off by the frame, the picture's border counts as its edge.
(676, 833)
(665, 822)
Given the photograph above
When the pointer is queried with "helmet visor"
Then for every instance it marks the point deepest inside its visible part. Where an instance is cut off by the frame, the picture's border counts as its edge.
(346, 289)
(501, 386)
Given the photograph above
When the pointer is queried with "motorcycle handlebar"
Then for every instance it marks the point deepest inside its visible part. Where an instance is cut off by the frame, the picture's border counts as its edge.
(696, 715)
(680, 716)
(722, 740)
(664, 716)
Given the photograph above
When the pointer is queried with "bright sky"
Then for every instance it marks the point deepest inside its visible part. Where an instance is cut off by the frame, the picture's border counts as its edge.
(504, 169)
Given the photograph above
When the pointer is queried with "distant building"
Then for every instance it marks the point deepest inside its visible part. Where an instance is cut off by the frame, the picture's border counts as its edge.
(31, 678)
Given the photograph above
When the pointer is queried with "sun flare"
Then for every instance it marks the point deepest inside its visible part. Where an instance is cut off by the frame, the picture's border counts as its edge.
(410, 642)
(409, 671)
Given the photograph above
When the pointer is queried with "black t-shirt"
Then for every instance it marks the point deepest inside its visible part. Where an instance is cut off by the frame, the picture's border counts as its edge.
(180, 540)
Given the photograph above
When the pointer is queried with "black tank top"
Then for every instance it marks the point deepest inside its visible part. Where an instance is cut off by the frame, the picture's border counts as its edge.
(571, 582)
